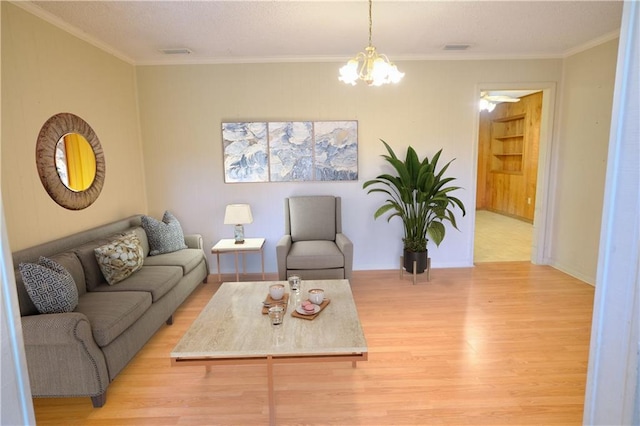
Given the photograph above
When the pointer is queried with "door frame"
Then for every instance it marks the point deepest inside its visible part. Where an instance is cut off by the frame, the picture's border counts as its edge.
(543, 212)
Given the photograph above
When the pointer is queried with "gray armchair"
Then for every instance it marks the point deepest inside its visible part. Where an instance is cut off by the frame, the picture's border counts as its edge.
(314, 246)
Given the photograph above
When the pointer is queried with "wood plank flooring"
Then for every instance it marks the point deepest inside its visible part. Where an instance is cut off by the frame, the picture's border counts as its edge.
(498, 344)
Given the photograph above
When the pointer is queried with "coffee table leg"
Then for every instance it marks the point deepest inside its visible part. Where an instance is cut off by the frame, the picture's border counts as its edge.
(272, 404)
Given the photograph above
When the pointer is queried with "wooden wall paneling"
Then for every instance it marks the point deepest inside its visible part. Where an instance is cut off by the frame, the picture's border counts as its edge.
(510, 184)
(484, 138)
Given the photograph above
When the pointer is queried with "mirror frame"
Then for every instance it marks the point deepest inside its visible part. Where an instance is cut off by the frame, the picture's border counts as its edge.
(50, 133)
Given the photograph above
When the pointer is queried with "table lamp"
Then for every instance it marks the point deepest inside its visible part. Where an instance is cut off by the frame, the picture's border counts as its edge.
(238, 215)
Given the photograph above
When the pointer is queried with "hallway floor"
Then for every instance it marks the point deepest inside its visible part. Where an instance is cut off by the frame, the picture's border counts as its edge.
(500, 238)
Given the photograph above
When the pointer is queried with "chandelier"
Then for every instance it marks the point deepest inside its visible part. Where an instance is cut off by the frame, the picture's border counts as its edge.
(372, 67)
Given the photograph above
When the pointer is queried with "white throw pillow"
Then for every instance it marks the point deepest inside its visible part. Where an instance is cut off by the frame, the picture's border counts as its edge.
(120, 258)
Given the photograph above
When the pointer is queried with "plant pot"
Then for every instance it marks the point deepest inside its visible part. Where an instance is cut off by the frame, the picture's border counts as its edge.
(420, 257)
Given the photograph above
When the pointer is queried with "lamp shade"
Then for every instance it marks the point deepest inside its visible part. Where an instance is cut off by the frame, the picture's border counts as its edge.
(238, 214)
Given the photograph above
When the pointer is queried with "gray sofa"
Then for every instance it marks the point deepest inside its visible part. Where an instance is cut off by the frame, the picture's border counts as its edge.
(79, 353)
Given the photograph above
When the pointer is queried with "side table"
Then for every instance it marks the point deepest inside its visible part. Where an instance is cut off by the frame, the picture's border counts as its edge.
(228, 245)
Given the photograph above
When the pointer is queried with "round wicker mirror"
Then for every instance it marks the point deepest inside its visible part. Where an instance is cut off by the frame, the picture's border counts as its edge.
(54, 130)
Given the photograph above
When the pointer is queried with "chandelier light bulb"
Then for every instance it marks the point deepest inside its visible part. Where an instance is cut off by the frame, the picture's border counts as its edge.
(349, 72)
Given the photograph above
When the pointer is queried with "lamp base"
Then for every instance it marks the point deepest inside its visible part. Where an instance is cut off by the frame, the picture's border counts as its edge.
(238, 234)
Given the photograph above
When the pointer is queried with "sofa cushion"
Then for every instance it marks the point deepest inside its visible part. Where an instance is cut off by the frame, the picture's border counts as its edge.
(120, 257)
(165, 236)
(142, 236)
(157, 280)
(87, 256)
(314, 255)
(50, 286)
(71, 263)
(187, 259)
(112, 313)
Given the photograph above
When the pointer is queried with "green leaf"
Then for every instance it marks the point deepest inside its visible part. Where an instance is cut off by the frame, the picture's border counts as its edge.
(436, 232)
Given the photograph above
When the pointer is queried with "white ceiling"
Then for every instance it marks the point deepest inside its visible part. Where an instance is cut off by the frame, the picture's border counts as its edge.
(273, 31)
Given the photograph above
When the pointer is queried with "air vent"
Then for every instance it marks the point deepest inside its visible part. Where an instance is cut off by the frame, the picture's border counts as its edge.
(177, 51)
(456, 46)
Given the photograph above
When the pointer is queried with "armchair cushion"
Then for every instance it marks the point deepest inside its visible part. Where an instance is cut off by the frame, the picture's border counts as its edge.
(314, 255)
(312, 218)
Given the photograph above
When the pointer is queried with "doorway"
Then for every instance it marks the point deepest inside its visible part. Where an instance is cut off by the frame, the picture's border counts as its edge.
(511, 181)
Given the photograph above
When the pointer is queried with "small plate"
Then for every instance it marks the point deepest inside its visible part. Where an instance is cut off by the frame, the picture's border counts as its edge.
(301, 311)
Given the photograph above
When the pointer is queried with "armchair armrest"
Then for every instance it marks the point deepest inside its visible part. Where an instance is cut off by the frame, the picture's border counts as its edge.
(346, 247)
(282, 249)
(62, 356)
(194, 241)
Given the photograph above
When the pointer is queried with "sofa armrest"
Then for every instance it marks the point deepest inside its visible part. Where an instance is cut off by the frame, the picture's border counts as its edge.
(346, 247)
(194, 241)
(282, 250)
(62, 356)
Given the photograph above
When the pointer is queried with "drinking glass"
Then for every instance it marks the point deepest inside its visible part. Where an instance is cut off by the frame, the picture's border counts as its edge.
(276, 315)
(294, 282)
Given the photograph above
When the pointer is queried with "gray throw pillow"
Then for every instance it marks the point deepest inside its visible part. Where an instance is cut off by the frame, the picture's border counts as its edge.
(120, 258)
(50, 286)
(165, 236)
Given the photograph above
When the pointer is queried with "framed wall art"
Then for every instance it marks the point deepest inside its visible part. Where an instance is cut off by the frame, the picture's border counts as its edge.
(290, 151)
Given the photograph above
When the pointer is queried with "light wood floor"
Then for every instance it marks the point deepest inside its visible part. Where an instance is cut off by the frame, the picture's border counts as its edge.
(498, 344)
(500, 238)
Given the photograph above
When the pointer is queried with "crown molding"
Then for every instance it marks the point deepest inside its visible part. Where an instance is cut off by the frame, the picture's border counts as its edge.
(592, 43)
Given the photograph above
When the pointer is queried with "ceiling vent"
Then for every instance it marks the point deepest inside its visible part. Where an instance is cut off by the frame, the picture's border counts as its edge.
(177, 51)
(457, 47)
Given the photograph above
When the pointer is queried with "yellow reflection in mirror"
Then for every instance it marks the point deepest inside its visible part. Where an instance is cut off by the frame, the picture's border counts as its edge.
(75, 162)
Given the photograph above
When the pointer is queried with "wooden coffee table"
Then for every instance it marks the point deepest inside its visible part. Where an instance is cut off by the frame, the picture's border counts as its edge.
(232, 330)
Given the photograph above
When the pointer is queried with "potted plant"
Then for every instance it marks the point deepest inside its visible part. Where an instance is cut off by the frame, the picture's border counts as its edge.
(420, 196)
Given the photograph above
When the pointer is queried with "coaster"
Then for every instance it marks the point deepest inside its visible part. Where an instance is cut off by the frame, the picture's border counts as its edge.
(284, 302)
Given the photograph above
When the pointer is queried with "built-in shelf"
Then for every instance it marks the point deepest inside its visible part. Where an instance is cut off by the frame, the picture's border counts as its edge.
(507, 144)
(521, 135)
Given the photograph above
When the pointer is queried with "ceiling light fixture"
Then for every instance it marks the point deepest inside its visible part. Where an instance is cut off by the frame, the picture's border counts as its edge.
(486, 105)
(373, 68)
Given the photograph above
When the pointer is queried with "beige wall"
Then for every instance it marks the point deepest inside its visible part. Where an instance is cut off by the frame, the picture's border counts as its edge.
(45, 70)
(434, 107)
(581, 156)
